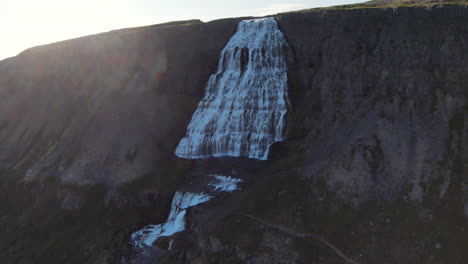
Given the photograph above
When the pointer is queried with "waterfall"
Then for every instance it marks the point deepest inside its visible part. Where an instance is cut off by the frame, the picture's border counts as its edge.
(180, 202)
(174, 223)
(246, 101)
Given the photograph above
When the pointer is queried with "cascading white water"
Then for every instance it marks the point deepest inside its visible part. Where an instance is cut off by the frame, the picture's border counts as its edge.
(180, 202)
(246, 101)
(224, 183)
(175, 222)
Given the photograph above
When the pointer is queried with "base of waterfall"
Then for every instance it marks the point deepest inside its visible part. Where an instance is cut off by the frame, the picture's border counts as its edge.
(180, 203)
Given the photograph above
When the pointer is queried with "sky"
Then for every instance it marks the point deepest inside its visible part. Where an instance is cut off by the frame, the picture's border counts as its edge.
(28, 23)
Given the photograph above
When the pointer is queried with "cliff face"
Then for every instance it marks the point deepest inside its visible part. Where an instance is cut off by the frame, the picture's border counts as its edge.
(80, 118)
(374, 159)
(381, 98)
(106, 108)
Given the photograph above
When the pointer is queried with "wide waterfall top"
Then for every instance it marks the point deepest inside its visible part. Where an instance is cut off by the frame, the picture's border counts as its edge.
(246, 101)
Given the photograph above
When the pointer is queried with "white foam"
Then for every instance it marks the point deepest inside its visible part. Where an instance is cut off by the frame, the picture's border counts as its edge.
(175, 222)
(224, 183)
(244, 108)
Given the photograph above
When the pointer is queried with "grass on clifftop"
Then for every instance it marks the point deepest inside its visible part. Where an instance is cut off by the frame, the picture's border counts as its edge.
(383, 5)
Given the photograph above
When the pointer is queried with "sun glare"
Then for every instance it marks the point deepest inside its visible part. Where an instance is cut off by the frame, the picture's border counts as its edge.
(28, 23)
(41, 22)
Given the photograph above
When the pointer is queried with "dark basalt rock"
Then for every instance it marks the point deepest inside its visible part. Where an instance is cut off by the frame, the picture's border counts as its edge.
(374, 161)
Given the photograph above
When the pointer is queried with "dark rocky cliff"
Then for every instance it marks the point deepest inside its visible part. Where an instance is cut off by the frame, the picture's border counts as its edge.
(374, 161)
(381, 96)
(112, 104)
(97, 111)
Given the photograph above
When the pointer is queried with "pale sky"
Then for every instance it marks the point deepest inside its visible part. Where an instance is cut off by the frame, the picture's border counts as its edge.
(28, 23)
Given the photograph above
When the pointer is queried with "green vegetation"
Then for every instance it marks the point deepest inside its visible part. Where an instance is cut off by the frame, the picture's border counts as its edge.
(383, 5)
